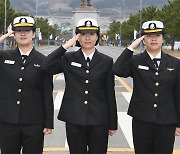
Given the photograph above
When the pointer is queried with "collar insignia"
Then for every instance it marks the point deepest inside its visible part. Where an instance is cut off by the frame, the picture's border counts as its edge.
(170, 69)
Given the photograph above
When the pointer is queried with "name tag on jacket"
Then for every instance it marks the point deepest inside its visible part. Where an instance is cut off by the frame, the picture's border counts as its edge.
(11, 62)
(143, 67)
(76, 64)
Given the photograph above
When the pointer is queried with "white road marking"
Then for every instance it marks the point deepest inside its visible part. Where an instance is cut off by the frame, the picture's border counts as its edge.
(125, 122)
(127, 96)
(58, 100)
(60, 76)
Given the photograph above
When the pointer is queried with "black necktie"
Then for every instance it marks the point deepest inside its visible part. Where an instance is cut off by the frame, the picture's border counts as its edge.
(155, 60)
(88, 61)
(24, 58)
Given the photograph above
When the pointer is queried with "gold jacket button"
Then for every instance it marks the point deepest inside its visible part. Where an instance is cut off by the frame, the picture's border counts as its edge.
(155, 105)
(18, 102)
(85, 102)
(157, 84)
(87, 71)
(22, 68)
(156, 73)
(20, 79)
(19, 90)
(86, 92)
(156, 94)
(87, 81)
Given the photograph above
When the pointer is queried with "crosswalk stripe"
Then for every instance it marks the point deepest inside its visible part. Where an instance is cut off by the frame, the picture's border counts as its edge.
(125, 122)
(127, 96)
(58, 100)
(60, 76)
(66, 144)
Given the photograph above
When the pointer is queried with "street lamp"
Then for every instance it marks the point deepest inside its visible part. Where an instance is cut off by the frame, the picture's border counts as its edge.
(140, 22)
(37, 5)
(4, 43)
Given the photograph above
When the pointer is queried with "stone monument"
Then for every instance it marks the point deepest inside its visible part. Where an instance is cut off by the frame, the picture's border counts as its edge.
(84, 12)
(83, 5)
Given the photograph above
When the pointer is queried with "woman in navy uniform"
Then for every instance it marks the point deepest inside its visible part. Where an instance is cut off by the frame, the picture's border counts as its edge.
(155, 102)
(26, 103)
(88, 105)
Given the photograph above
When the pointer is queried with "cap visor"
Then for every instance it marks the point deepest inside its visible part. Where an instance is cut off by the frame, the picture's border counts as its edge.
(23, 28)
(88, 31)
(153, 33)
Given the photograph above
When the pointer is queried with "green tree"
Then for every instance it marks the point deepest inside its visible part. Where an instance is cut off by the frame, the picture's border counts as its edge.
(114, 29)
(133, 23)
(45, 28)
(9, 14)
(43, 24)
(170, 16)
(128, 27)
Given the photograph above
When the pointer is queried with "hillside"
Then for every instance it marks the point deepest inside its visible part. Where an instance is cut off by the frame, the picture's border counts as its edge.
(66, 6)
(120, 3)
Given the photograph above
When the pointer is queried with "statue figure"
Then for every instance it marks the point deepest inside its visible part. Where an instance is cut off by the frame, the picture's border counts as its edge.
(88, 3)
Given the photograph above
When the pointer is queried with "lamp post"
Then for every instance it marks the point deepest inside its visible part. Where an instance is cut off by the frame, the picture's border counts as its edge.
(4, 43)
(37, 5)
(140, 22)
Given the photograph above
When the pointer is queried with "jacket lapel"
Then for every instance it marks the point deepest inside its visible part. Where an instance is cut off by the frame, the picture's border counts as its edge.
(80, 58)
(17, 56)
(148, 60)
(96, 58)
(164, 61)
(31, 57)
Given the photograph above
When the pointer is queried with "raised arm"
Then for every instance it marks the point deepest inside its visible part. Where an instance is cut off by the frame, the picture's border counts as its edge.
(3, 37)
(53, 62)
(122, 66)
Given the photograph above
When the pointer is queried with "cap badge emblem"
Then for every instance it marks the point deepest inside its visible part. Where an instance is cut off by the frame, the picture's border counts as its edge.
(88, 24)
(22, 20)
(152, 26)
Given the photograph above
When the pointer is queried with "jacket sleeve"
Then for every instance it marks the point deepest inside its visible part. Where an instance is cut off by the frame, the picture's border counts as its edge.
(111, 98)
(122, 66)
(52, 63)
(47, 87)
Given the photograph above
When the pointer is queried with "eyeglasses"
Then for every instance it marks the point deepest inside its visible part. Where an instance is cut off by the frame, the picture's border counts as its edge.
(22, 31)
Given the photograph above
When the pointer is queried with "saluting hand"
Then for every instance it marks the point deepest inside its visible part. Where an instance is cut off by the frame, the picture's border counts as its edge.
(136, 43)
(71, 42)
(47, 131)
(3, 37)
